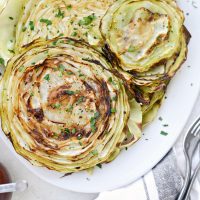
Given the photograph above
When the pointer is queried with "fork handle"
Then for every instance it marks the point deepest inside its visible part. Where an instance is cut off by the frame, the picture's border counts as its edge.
(192, 181)
(187, 178)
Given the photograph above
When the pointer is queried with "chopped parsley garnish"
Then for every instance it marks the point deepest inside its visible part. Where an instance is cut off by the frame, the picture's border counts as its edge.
(21, 69)
(2, 61)
(31, 25)
(86, 34)
(69, 109)
(81, 99)
(114, 98)
(93, 121)
(113, 110)
(54, 42)
(87, 20)
(31, 94)
(79, 137)
(96, 115)
(92, 124)
(11, 18)
(80, 75)
(69, 7)
(99, 165)
(11, 51)
(55, 135)
(60, 14)
(57, 105)
(69, 92)
(69, 73)
(74, 34)
(94, 152)
(163, 133)
(131, 49)
(160, 118)
(70, 42)
(66, 130)
(24, 29)
(111, 80)
(73, 130)
(47, 77)
(61, 34)
(46, 21)
(165, 125)
(61, 68)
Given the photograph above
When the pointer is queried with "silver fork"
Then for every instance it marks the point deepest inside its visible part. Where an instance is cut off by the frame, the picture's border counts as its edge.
(191, 141)
(194, 176)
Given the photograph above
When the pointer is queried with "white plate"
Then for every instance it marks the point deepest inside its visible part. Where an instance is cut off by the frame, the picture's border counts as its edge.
(141, 157)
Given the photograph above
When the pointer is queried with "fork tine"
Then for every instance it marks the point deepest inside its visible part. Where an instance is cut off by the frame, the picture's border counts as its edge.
(197, 131)
(195, 126)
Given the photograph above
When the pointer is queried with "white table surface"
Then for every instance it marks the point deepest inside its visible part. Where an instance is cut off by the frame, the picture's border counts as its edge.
(40, 190)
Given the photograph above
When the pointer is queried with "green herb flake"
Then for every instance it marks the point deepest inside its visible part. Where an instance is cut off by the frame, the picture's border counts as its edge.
(110, 79)
(57, 105)
(69, 7)
(54, 42)
(69, 92)
(31, 25)
(66, 130)
(93, 121)
(113, 110)
(47, 77)
(99, 165)
(94, 152)
(11, 51)
(60, 14)
(163, 133)
(73, 130)
(92, 124)
(70, 42)
(21, 69)
(2, 61)
(131, 49)
(61, 68)
(46, 21)
(160, 118)
(69, 72)
(165, 125)
(55, 135)
(24, 29)
(79, 136)
(96, 115)
(87, 20)
(69, 109)
(31, 94)
(80, 75)
(114, 98)
(11, 18)
(74, 34)
(80, 100)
